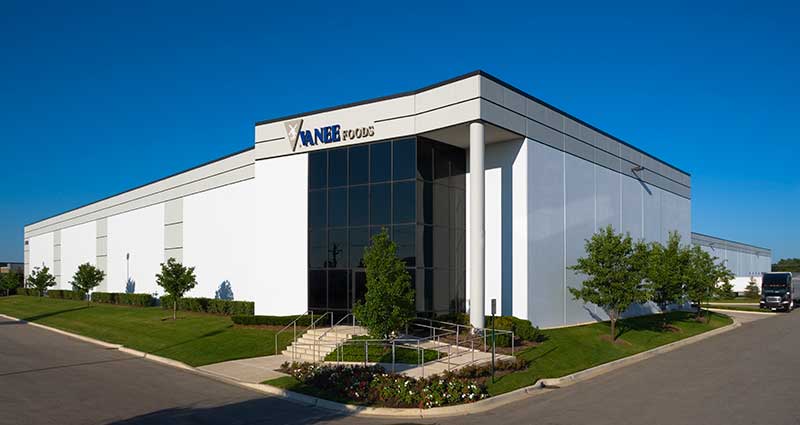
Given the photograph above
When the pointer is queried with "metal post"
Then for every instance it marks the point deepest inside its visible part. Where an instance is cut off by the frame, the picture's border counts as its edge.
(472, 348)
(512, 343)
(494, 340)
(392, 356)
(366, 353)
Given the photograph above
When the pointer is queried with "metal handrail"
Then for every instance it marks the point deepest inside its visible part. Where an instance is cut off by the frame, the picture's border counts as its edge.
(339, 323)
(293, 323)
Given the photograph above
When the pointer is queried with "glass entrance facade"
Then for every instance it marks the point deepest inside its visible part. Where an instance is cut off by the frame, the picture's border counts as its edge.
(413, 187)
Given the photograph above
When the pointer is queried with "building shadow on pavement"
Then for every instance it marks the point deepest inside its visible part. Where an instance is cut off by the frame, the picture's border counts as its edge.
(267, 410)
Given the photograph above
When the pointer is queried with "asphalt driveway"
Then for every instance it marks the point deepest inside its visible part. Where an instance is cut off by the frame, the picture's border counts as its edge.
(746, 376)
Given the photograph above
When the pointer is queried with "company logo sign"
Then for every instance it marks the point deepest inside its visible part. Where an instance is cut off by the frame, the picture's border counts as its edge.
(328, 134)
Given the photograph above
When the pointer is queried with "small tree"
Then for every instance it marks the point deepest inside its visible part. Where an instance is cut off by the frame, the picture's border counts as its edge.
(10, 282)
(666, 271)
(225, 292)
(130, 286)
(725, 290)
(703, 276)
(176, 279)
(87, 278)
(752, 291)
(41, 279)
(615, 267)
(389, 302)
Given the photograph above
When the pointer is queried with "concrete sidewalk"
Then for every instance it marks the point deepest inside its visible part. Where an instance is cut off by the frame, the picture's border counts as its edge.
(253, 370)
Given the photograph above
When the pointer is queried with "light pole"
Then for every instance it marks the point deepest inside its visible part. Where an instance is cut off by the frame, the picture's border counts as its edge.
(494, 310)
(127, 267)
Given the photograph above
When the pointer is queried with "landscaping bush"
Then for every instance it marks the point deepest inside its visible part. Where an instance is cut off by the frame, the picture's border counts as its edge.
(372, 385)
(484, 370)
(210, 305)
(121, 298)
(28, 292)
(523, 330)
(66, 294)
(269, 320)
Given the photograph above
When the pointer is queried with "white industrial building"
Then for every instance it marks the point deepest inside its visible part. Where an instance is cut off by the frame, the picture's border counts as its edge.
(746, 262)
(286, 221)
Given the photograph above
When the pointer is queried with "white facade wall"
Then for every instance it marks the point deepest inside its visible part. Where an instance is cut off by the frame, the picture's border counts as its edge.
(41, 251)
(219, 241)
(281, 229)
(78, 246)
(139, 233)
(541, 206)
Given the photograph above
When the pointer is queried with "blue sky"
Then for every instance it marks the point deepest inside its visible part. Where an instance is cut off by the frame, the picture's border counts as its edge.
(96, 98)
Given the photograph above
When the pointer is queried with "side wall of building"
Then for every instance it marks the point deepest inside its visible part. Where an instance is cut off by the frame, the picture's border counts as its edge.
(541, 205)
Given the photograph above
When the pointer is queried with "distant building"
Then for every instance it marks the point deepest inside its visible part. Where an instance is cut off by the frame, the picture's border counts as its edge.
(746, 262)
(6, 267)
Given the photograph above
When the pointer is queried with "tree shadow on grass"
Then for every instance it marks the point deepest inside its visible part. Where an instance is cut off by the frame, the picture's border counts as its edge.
(259, 410)
(51, 314)
(184, 342)
(653, 323)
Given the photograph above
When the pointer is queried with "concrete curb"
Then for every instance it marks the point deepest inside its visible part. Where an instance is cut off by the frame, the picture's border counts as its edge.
(539, 387)
(725, 310)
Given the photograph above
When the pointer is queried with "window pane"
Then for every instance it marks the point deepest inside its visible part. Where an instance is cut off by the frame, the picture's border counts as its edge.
(380, 204)
(380, 161)
(337, 248)
(404, 236)
(359, 206)
(318, 248)
(359, 239)
(425, 160)
(441, 201)
(337, 207)
(441, 243)
(458, 169)
(338, 289)
(441, 167)
(337, 168)
(359, 164)
(317, 290)
(360, 283)
(441, 291)
(404, 159)
(425, 249)
(317, 211)
(404, 199)
(317, 169)
(426, 203)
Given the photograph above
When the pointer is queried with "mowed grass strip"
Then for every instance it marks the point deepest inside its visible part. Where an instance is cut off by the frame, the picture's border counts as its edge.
(737, 307)
(195, 338)
(569, 350)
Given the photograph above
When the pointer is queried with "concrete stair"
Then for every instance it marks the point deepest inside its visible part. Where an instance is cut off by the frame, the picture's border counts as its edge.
(315, 344)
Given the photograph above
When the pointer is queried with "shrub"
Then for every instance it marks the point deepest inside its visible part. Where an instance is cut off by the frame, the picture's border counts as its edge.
(66, 294)
(136, 300)
(28, 292)
(484, 370)
(210, 305)
(372, 385)
(523, 329)
(270, 320)
(502, 323)
(457, 318)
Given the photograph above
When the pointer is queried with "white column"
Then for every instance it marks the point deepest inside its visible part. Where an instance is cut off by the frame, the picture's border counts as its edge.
(477, 226)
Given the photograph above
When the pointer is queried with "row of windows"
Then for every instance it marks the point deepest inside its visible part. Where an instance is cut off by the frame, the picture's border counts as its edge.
(385, 203)
(436, 291)
(385, 161)
(417, 245)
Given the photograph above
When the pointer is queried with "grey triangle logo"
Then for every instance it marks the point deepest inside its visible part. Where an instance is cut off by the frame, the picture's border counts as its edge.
(293, 131)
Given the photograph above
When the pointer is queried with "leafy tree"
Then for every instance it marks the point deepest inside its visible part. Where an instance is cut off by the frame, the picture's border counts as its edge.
(10, 281)
(41, 279)
(703, 276)
(130, 286)
(787, 265)
(225, 292)
(751, 291)
(176, 279)
(86, 278)
(725, 290)
(666, 270)
(389, 302)
(616, 267)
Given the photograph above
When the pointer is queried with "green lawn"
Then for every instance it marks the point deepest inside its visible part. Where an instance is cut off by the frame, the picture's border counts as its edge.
(379, 353)
(569, 350)
(195, 338)
(734, 300)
